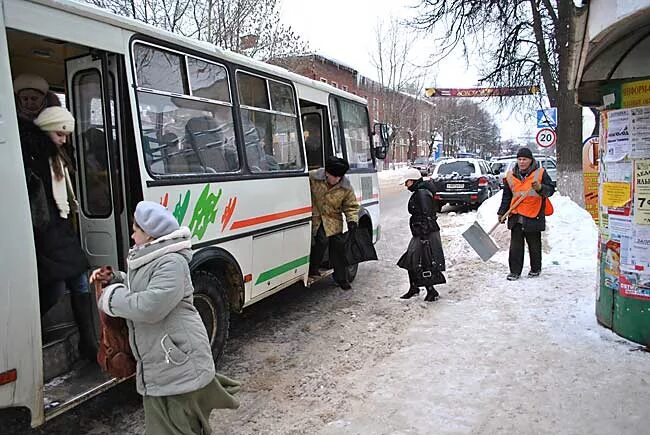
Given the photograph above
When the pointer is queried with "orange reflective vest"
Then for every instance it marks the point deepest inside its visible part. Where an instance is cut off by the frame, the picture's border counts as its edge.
(532, 203)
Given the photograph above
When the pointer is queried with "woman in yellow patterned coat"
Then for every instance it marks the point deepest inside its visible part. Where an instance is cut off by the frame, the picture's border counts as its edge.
(332, 196)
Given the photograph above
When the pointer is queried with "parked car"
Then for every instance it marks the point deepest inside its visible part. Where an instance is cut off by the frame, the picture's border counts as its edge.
(464, 181)
(508, 164)
(424, 165)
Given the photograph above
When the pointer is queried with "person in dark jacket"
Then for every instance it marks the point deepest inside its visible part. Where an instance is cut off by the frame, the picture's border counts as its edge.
(62, 265)
(527, 220)
(424, 258)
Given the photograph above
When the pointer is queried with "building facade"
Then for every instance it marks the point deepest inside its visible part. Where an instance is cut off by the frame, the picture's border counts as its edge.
(411, 116)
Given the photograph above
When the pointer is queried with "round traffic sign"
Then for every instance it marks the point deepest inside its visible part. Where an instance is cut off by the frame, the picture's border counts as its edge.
(546, 137)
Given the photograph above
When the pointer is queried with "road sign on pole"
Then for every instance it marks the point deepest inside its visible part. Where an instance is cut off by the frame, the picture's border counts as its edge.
(547, 118)
(546, 137)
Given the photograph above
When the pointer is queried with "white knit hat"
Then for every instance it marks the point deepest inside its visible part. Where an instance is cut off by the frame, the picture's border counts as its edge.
(154, 219)
(55, 119)
(30, 81)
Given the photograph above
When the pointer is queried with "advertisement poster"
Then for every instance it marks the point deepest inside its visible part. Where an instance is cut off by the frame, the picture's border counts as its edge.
(642, 192)
(612, 264)
(616, 194)
(618, 135)
(635, 94)
(590, 176)
(640, 249)
(634, 286)
(640, 132)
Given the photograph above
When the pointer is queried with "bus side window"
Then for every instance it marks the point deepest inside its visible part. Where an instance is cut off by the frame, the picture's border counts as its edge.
(180, 134)
(270, 124)
(356, 131)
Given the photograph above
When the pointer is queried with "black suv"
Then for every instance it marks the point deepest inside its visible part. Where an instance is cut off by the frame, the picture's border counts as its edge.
(464, 181)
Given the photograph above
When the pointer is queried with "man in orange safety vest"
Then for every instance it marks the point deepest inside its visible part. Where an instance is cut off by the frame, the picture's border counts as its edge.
(527, 220)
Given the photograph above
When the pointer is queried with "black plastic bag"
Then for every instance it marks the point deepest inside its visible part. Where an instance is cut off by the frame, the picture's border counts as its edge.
(358, 247)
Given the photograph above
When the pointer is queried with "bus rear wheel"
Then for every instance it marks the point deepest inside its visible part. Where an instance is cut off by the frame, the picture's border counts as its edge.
(210, 301)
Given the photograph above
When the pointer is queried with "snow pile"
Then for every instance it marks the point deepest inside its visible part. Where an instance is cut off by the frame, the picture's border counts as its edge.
(571, 233)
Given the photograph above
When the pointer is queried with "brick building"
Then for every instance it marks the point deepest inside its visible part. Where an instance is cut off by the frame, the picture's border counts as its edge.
(415, 115)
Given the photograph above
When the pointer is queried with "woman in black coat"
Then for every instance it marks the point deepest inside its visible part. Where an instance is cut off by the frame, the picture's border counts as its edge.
(424, 258)
(58, 254)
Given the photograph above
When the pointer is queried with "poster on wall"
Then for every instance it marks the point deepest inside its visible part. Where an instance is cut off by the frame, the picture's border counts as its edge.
(612, 264)
(590, 175)
(642, 192)
(633, 285)
(640, 132)
(616, 194)
(618, 135)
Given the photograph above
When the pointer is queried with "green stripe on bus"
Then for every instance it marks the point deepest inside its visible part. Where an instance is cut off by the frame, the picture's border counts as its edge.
(283, 268)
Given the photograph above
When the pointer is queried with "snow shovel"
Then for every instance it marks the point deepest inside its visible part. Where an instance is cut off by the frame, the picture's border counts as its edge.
(480, 241)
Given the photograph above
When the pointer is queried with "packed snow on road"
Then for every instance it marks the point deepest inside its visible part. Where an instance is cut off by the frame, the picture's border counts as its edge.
(491, 356)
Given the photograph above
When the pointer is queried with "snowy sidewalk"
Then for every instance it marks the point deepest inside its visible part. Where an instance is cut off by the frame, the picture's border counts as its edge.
(493, 356)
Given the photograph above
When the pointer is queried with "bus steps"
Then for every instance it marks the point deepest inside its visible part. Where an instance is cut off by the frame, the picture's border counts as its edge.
(324, 273)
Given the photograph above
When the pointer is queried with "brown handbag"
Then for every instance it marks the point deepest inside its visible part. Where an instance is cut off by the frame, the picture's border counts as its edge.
(114, 355)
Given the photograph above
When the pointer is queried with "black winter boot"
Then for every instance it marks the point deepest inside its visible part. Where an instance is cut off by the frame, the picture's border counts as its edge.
(412, 292)
(432, 294)
(83, 315)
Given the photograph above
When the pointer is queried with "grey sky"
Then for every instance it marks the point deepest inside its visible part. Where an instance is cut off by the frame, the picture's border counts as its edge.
(344, 30)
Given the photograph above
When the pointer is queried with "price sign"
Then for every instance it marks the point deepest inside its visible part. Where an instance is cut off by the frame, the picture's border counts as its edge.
(546, 137)
(642, 192)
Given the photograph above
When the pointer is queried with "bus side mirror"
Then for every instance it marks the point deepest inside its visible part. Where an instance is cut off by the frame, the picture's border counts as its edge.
(385, 134)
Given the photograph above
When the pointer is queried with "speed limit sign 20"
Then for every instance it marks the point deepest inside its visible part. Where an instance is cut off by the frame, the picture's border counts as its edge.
(546, 137)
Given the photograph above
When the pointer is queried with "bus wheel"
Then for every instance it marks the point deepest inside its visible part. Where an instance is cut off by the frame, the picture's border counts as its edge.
(210, 302)
(352, 272)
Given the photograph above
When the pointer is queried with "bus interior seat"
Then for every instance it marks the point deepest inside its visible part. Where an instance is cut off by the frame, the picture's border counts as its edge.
(209, 142)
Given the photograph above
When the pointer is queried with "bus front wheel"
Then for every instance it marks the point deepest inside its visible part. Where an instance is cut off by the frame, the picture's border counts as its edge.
(352, 272)
(210, 301)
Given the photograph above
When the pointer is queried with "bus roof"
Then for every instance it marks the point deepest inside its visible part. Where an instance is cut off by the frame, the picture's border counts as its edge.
(97, 14)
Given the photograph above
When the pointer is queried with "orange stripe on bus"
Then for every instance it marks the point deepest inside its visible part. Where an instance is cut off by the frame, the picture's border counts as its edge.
(269, 217)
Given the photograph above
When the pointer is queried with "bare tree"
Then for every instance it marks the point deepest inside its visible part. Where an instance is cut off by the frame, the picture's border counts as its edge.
(250, 27)
(400, 80)
(520, 42)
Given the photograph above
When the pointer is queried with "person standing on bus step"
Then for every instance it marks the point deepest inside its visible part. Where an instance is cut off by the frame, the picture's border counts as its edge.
(332, 196)
(424, 258)
(175, 370)
(528, 219)
(61, 262)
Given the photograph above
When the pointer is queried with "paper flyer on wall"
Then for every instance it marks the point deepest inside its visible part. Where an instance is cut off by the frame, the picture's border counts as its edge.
(620, 230)
(618, 135)
(618, 172)
(640, 249)
(642, 192)
(616, 194)
(640, 132)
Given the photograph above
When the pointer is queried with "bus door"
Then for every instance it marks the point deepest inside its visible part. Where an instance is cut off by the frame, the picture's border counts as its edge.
(313, 126)
(92, 86)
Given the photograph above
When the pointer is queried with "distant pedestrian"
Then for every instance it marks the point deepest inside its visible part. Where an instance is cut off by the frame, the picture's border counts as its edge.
(175, 369)
(424, 258)
(528, 219)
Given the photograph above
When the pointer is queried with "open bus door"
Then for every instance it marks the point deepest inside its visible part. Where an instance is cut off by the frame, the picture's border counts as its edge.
(92, 84)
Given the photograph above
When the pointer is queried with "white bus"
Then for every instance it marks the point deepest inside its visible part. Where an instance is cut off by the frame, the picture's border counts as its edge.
(225, 142)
